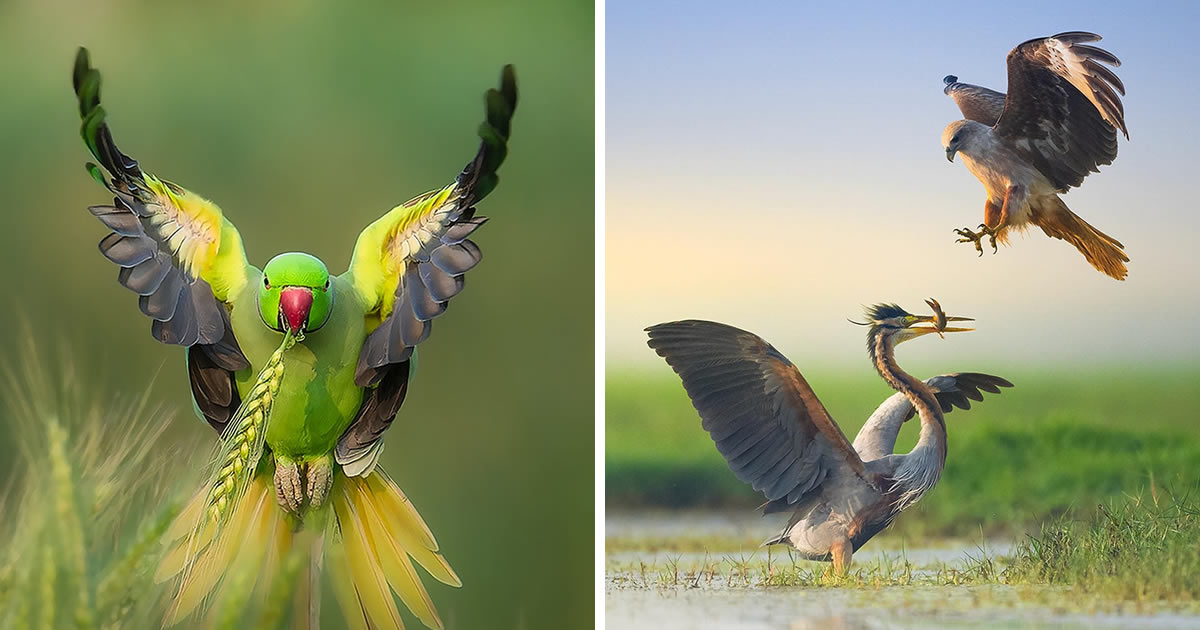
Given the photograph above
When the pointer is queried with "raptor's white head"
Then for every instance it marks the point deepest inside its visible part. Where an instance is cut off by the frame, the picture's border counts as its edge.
(963, 135)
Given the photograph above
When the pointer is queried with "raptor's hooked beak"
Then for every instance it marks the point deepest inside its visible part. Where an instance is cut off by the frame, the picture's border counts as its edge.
(950, 154)
(294, 306)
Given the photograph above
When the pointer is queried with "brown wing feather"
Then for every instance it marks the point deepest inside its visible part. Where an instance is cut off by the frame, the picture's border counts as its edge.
(1063, 108)
(375, 413)
(976, 103)
(959, 389)
(761, 413)
(214, 388)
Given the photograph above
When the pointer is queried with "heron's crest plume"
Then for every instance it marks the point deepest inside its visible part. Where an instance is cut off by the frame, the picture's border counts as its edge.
(880, 312)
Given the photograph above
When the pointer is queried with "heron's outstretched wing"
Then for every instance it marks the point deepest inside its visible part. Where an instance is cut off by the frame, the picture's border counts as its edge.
(877, 438)
(1064, 107)
(765, 419)
(406, 266)
(976, 103)
(176, 251)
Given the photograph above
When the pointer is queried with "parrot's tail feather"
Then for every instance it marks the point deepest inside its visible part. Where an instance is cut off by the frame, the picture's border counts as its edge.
(343, 588)
(205, 564)
(369, 538)
(407, 528)
(306, 607)
(366, 574)
(184, 551)
(378, 534)
(399, 570)
(251, 569)
(187, 518)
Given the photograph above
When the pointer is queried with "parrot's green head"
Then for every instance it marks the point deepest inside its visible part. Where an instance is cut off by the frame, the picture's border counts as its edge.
(295, 293)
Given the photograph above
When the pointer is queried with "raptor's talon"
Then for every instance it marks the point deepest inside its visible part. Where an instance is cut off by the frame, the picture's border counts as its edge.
(976, 238)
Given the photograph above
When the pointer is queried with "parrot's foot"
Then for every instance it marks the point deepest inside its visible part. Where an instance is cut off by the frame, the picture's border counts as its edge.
(305, 483)
(977, 237)
(320, 480)
(289, 491)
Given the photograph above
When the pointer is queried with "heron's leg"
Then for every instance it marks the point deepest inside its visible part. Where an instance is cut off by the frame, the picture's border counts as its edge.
(841, 550)
(289, 491)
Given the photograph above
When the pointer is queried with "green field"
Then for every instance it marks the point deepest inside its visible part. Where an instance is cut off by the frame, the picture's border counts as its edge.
(1058, 443)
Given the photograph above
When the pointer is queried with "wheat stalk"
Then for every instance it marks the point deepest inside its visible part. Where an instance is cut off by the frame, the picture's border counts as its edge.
(242, 443)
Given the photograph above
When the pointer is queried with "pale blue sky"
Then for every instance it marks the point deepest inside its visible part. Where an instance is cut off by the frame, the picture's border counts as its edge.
(776, 164)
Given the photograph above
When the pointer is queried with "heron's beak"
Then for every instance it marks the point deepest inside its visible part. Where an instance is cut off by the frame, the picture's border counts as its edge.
(950, 154)
(941, 327)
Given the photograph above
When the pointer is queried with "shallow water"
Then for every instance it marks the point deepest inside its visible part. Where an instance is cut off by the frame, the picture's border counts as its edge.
(888, 607)
(642, 590)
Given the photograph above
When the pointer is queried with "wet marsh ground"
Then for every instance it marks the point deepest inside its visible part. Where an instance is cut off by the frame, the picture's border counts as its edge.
(1065, 503)
(1134, 564)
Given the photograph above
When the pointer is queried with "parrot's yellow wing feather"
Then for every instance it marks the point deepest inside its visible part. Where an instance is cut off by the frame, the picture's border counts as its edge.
(176, 250)
(409, 263)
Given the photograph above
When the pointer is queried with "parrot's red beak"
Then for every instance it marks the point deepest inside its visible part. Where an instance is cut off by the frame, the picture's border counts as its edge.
(294, 305)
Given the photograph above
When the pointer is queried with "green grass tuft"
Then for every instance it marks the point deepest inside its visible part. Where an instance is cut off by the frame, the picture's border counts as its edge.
(1138, 549)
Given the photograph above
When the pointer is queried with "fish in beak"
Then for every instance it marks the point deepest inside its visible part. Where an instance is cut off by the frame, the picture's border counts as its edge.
(939, 321)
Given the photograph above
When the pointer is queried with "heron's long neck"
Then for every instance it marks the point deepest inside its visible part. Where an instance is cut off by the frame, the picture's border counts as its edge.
(933, 423)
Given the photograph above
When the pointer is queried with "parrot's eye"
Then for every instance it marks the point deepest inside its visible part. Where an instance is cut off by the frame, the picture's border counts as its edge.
(327, 285)
(266, 282)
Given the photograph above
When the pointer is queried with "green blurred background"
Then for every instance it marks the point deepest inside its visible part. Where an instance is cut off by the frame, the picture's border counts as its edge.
(1057, 443)
(305, 121)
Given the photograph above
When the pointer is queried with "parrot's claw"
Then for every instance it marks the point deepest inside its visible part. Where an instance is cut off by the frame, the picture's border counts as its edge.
(289, 491)
(297, 485)
(320, 479)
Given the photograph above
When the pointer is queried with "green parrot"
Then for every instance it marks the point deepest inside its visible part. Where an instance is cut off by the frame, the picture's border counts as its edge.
(343, 380)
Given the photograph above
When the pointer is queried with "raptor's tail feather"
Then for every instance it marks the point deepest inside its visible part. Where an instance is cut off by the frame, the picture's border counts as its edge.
(1104, 252)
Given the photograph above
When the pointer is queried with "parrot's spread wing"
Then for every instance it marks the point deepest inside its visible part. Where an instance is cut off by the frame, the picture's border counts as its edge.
(175, 250)
(408, 264)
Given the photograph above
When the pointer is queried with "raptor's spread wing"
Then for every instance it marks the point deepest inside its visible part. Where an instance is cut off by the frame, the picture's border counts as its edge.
(977, 103)
(1064, 106)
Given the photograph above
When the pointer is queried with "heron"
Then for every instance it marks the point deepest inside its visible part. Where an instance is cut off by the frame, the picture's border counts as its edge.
(777, 436)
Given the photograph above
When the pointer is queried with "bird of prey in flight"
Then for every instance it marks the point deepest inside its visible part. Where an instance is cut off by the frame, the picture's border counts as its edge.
(1057, 124)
